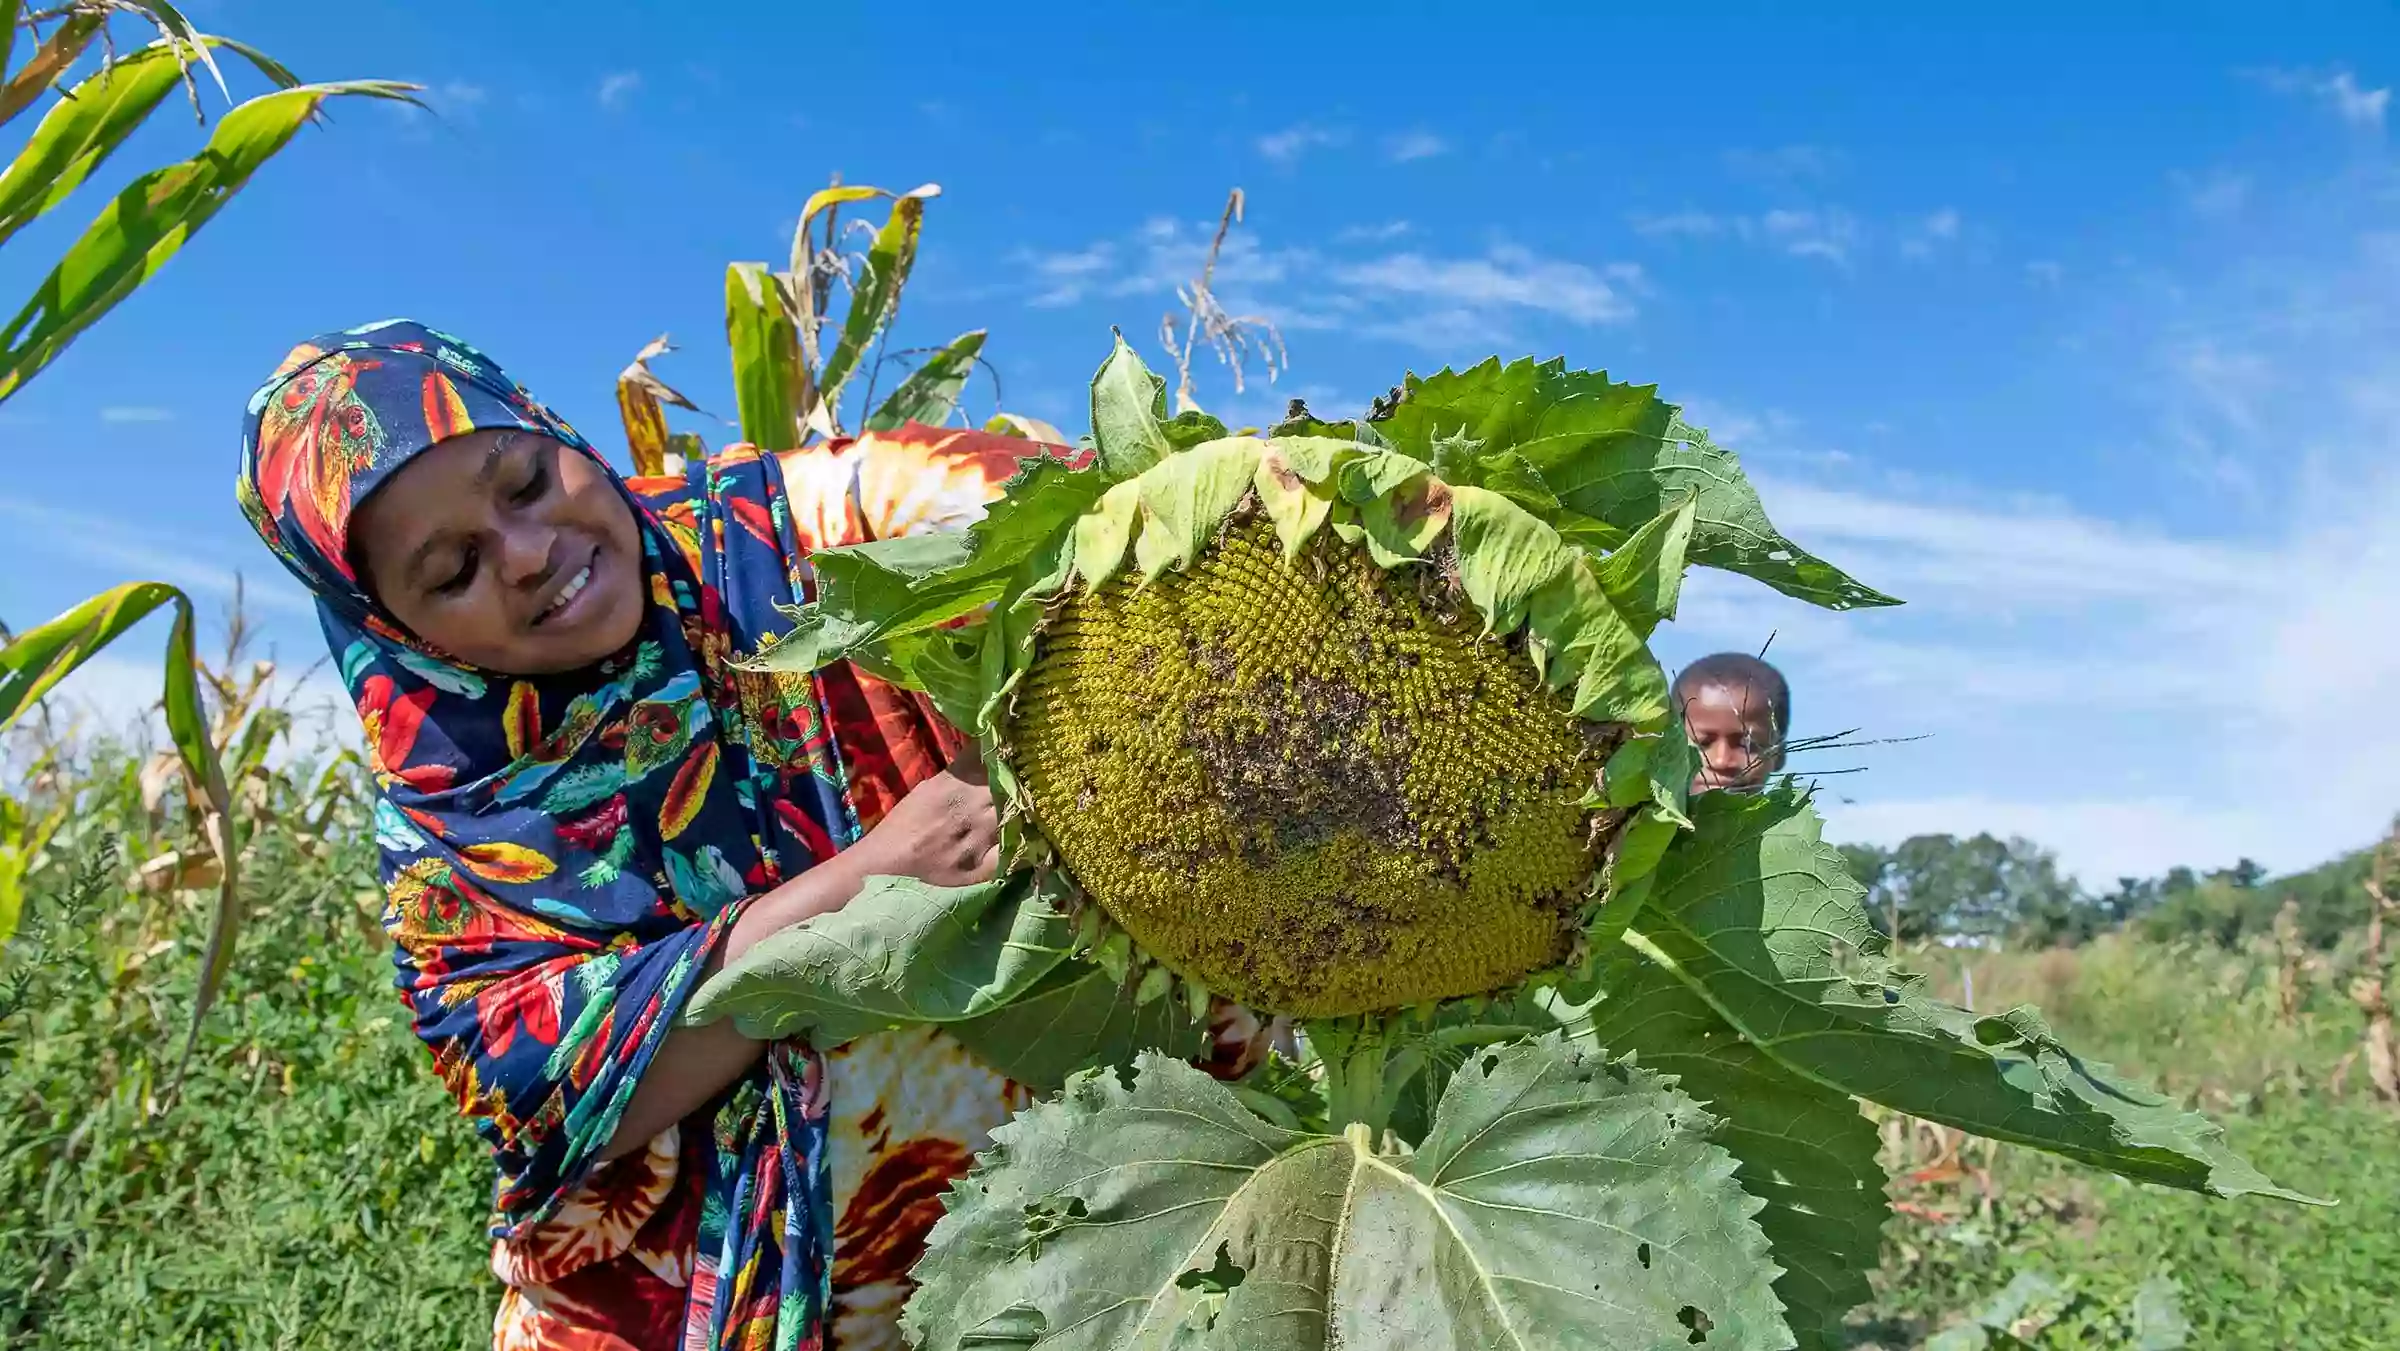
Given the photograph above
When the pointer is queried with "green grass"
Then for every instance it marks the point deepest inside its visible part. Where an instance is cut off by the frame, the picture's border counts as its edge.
(2253, 1273)
(313, 1187)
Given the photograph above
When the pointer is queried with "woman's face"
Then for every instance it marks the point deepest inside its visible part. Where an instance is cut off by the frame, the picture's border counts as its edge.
(507, 550)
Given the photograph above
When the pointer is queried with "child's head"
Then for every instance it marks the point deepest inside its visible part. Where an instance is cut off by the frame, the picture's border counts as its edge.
(1737, 710)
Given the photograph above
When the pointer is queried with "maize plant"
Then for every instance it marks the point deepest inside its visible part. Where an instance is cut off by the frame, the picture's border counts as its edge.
(793, 366)
(101, 98)
(1358, 723)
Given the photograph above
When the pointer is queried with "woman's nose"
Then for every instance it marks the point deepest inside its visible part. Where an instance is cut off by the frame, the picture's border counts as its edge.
(525, 549)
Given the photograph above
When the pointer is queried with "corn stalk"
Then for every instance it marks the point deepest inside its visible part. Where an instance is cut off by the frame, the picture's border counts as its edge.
(144, 225)
(2369, 991)
(1236, 339)
(794, 365)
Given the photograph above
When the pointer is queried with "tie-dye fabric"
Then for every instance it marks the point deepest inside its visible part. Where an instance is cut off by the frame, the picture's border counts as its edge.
(562, 854)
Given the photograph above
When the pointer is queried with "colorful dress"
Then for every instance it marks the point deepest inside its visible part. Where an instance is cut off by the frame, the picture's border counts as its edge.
(561, 855)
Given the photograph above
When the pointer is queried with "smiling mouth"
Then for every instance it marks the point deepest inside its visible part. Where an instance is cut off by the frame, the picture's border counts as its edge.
(567, 594)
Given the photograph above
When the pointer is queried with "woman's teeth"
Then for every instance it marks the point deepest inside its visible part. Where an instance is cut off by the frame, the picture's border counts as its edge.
(573, 588)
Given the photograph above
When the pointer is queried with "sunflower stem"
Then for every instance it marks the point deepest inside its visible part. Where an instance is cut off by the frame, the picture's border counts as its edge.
(1359, 1087)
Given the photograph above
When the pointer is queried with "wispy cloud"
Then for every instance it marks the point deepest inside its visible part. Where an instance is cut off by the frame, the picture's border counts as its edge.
(2045, 272)
(1781, 164)
(2338, 90)
(619, 86)
(1697, 224)
(1287, 146)
(1930, 232)
(127, 414)
(1829, 233)
(1354, 283)
(1414, 145)
(103, 542)
(2215, 195)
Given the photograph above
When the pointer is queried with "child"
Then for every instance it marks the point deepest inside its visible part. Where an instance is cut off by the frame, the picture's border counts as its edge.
(1737, 710)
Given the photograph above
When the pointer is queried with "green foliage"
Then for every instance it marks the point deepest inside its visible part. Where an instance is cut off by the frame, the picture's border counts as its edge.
(310, 1185)
(1558, 1200)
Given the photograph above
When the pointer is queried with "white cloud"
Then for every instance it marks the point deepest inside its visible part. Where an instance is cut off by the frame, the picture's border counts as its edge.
(2215, 195)
(136, 415)
(1444, 303)
(1930, 232)
(1506, 278)
(106, 543)
(1829, 233)
(618, 86)
(2338, 90)
(1781, 164)
(1695, 223)
(2045, 272)
(460, 95)
(1414, 145)
(1287, 146)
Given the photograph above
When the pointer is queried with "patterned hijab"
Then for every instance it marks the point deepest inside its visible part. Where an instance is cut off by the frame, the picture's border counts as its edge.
(561, 853)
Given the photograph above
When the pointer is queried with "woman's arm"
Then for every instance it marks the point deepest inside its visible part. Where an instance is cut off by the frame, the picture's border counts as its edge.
(946, 832)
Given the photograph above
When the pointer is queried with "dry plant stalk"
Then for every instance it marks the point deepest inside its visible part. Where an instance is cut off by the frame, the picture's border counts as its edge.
(2378, 1049)
(1236, 338)
(2290, 955)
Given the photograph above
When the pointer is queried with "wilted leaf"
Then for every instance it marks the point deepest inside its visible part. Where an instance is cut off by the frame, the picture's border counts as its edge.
(641, 404)
(1560, 1201)
(1129, 414)
(1029, 428)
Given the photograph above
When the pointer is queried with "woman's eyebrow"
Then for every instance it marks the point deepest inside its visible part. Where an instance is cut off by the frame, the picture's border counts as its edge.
(501, 442)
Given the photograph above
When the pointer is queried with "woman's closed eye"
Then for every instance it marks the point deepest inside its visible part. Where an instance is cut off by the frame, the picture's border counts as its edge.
(463, 578)
(536, 484)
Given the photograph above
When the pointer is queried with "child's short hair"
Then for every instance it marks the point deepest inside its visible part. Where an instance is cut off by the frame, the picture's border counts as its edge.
(1740, 670)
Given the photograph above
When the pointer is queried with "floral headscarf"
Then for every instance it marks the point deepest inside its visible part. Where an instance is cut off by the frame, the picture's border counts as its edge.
(562, 853)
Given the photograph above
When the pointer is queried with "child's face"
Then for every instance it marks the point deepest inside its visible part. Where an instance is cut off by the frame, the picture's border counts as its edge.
(1733, 728)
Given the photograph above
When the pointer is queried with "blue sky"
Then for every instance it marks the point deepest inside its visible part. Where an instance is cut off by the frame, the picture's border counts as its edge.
(2081, 335)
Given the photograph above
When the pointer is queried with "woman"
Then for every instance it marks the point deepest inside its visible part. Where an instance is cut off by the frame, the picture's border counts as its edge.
(586, 809)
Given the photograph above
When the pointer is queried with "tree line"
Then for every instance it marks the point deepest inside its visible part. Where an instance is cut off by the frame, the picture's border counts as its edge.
(2011, 891)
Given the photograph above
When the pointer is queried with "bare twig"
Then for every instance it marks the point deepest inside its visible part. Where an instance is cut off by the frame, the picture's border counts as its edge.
(1236, 339)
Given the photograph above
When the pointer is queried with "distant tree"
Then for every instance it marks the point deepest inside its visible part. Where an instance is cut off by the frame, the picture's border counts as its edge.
(1940, 886)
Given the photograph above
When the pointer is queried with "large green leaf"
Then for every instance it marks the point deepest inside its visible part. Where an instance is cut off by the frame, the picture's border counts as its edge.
(32, 664)
(1755, 914)
(902, 951)
(870, 593)
(766, 356)
(930, 393)
(149, 221)
(1560, 1201)
(1804, 1149)
(1077, 1018)
(1129, 414)
(1613, 453)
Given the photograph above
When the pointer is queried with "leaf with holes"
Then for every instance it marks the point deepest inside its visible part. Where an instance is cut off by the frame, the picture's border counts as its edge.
(1559, 1200)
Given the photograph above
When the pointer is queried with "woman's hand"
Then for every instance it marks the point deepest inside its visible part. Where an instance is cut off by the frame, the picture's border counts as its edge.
(946, 831)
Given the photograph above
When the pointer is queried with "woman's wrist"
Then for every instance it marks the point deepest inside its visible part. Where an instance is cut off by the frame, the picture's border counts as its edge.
(824, 888)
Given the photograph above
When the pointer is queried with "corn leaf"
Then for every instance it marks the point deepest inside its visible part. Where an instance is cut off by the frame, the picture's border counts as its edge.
(1026, 428)
(875, 299)
(150, 220)
(766, 356)
(1804, 1149)
(1755, 914)
(53, 58)
(1614, 455)
(641, 404)
(1559, 1201)
(930, 393)
(33, 663)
